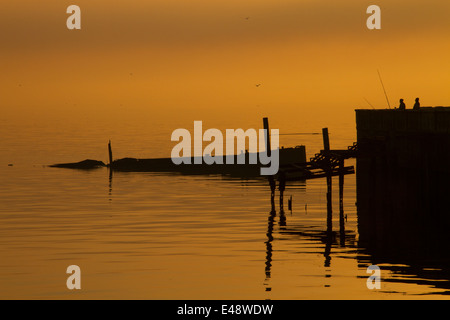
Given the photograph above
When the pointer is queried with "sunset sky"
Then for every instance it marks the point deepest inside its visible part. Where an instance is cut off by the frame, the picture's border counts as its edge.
(187, 57)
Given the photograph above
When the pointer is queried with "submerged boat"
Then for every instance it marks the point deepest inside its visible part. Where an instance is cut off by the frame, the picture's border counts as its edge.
(240, 166)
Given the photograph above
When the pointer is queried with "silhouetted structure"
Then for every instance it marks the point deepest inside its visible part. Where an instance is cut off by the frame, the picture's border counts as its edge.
(247, 170)
(403, 177)
(292, 163)
(85, 164)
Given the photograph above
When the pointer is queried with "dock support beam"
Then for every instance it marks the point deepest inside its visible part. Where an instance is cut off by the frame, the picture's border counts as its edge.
(329, 202)
(341, 202)
(328, 169)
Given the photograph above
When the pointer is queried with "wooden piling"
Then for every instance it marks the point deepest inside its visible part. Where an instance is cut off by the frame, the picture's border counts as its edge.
(326, 139)
(267, 133)
(329, 201)
(110, 154)
(341, 202)
(328, 169)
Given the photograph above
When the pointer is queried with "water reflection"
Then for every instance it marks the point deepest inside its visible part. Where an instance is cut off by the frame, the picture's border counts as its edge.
(270, 225)
(403, 231)
(327, 238)
(420, 259)
(110, 180)
(268, 243)
(423, 262)
(413, 257)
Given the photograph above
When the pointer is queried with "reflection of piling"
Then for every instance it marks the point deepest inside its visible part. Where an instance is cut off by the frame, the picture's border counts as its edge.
(272, 184)
(290, 204)
(270, 221)
(281, 187)
(328, 240)
(110, 184)
(282, 221)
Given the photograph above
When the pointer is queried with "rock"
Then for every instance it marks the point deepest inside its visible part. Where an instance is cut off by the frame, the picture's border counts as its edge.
(85, 164)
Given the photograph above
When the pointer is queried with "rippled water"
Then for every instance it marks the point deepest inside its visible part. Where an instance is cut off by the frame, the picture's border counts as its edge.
(169, 236)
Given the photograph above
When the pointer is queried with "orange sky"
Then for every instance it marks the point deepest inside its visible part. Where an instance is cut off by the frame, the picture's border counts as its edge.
(159, 56)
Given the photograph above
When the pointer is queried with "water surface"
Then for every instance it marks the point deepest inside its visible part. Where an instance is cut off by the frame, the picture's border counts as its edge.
(170, 236)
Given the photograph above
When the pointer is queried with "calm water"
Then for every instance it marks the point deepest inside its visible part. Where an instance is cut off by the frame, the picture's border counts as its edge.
(164, 236)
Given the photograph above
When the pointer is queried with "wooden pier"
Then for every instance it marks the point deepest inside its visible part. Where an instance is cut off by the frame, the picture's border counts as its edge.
(403, 180)
(325, 164)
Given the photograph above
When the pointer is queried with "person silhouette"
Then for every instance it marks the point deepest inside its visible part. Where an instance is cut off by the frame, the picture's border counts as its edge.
(402, 105)
(416, 105)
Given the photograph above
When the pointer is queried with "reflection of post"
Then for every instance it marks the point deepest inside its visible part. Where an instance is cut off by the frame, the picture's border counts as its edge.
(290, 204)
(281, 187)
(269, 245)
(272, 184)
(341, 202)
(110, 184)
(282, 221)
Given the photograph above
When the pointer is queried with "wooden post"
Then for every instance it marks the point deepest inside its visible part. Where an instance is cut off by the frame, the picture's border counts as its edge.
(329, 201)
(110, 154)
(326, 140)
(329, 234)
(341, 202)
(341, 187)
(267, 132)
(326, 148)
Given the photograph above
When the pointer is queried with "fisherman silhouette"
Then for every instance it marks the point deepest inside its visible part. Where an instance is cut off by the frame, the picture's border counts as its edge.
(416, 105)
(402, 105)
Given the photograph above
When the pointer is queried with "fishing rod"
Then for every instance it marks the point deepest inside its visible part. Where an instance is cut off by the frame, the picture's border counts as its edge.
(298, 133)
(385, 94)
(369, 103)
